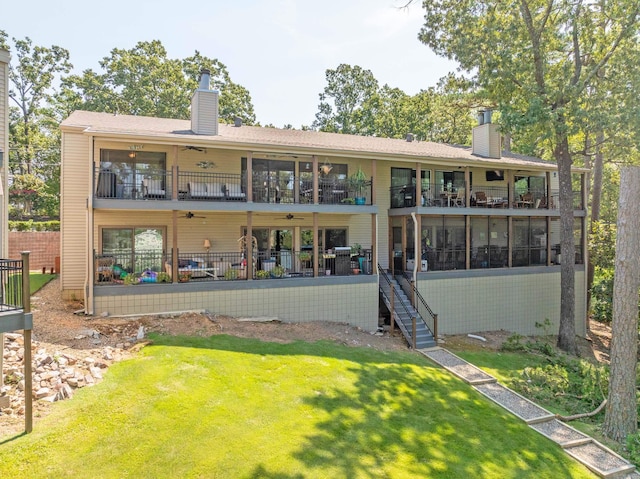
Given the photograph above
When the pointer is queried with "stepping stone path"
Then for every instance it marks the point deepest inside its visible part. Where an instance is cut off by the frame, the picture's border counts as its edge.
(584, 449)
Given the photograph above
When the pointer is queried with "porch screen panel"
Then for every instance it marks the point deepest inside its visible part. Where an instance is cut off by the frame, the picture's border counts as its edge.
(538, 241)
(489, 242)
(135, 249)
(131, 167)
(448, 238)
(521, 242)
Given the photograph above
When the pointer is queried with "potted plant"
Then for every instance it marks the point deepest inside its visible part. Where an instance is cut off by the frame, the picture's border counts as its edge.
(305, 256)
(184, 277)
(277, 271)
(231, 274)
(357, 183)
(262, 274)
(164, 277)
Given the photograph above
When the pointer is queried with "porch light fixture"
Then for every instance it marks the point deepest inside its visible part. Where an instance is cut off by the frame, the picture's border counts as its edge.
(205, 165)
(132, 154)
(207, 244)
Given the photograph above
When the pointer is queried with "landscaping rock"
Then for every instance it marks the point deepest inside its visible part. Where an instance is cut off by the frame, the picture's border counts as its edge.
(55, 374)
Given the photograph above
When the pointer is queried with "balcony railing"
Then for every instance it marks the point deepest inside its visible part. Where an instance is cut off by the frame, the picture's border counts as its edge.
(439, 196)
(129, 268)
(11, 273)
(205, 186)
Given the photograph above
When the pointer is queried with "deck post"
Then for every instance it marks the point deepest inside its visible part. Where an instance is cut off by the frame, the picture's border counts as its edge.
(435, 328)
(392, 302)
(28, 366)
(413, 332)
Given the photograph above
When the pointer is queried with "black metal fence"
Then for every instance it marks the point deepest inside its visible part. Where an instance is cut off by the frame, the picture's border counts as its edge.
(11, 273)
(133, 267)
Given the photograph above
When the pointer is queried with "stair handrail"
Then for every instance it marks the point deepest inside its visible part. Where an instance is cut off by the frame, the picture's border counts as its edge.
(405, 331)
(420, 305)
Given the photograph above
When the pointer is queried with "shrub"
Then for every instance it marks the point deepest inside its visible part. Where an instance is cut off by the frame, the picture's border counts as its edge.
(30, 225)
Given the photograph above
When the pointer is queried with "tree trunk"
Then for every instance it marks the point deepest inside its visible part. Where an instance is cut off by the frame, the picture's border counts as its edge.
(567, 327)
(621, 416)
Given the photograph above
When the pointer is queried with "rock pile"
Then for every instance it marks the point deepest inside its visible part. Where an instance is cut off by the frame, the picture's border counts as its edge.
(56, 374)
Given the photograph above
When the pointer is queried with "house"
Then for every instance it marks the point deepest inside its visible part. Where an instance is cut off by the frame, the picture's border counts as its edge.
(4, 152)
(161, 215)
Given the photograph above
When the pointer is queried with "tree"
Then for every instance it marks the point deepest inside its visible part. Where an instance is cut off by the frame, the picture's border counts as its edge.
(342, 104)
(144, 81)
(33, 126)
(352, 102)
(621, 415)
(538, 61)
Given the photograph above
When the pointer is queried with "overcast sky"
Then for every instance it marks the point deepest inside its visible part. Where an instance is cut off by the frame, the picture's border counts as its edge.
(279, 49)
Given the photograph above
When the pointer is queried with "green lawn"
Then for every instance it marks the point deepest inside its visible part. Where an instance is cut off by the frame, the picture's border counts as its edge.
(225, 407)
(38, 280)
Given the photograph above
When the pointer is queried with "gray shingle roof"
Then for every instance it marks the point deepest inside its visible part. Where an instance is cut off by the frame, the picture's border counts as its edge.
(259, 139)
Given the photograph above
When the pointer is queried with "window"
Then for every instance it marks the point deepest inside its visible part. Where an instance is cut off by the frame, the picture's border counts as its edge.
(122, 172)
(331, 237)
(403, 186)
(272, 180)
(135, 249)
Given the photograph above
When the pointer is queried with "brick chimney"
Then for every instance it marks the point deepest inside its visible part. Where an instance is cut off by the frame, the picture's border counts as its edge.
(204, 107)
(486, 139)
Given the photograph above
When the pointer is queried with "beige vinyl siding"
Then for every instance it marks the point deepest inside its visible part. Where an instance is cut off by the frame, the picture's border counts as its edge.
(75, 189)
(383, 200)
(4, 146)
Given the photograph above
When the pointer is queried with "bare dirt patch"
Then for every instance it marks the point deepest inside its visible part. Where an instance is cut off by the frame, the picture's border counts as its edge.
(595, 347)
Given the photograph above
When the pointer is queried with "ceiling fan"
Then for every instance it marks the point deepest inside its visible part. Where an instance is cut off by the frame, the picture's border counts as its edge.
(195, 148)
(190, 215)
(290, 217)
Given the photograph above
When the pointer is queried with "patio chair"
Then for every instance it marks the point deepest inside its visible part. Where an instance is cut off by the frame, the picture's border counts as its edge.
(234, 191)
(104, 269)
(152, 188)
(526, 200)
(459, 199)
(481, 199)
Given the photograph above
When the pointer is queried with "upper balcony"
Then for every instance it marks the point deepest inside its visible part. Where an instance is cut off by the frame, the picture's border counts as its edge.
(440, 196)
(161, 185)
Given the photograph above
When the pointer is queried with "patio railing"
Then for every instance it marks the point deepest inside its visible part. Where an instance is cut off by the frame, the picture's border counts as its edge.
(129, 267)
(129, 184)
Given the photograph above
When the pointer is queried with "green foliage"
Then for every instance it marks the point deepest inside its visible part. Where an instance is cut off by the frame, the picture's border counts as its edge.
(357, 181)
(633, 448)
(602, 295)
(231, 274)
(352, 102)
(602, 244)
(33, 124)
(31, 225)
(262, 274)
(144, 81)
(130, 279)
(163, 277)
(278, 271)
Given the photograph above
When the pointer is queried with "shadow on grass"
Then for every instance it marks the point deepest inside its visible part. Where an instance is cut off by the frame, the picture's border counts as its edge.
(400, 417)
(12, 438)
